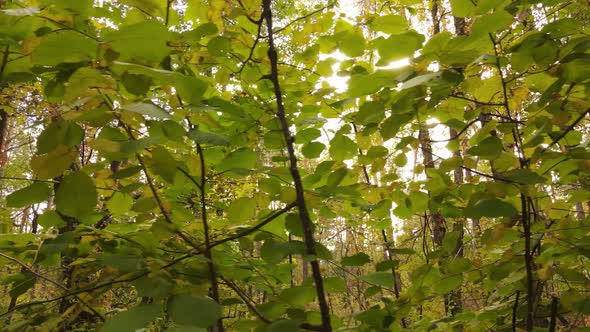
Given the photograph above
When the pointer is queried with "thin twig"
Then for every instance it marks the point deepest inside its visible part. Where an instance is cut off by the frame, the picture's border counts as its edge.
(39, 275)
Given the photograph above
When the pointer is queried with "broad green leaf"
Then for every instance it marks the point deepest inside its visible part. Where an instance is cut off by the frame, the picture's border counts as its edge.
(283, 325)
(298, 296)
(342, 148)
(34, 193)
(54, 163)
(190, 88)
(199, 311)
(351, 43)
(577, 69)
(418, 202)
(64, 46)
(85, 82)
(389, 23)
(491, 23)
(356, 260)
(398, 47)
(458, 265)
(76, 195)
(450, 241)
(392, 125)
(219, 46)
(335, 285)
(208, 138)
(157, 288)
(59, 133)
(241, 210)
(384, 279)
(144, 42)
(136, 318)
(370, 112)
(164, 164)
(490, 207)
(241, 159)
(150, 7)
(273, 252)
(21, 283)
(364, 84)
(123, 262)
(120, 203)
(525, 176)
(137, 84)
(422, 79)
(490, 148)
(312, 150)
(447, 284)
(462, 8)
(50, 219)
(150, 110)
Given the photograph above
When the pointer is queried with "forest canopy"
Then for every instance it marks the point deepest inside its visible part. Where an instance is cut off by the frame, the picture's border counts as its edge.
(308, 165)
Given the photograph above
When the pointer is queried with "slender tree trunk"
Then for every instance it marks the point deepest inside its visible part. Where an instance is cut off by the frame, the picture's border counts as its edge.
(306, 221)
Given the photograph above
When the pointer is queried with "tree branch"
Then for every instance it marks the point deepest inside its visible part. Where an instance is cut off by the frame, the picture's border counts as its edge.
(306, 222)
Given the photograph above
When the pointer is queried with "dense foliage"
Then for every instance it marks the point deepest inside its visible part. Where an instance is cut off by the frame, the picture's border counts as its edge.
(263, 165)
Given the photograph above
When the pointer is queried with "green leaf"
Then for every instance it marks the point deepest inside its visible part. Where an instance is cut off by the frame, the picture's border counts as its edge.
(359, 259)
(136, 318)
(84, 82)
(398, 47)
(76, 195)
(151, 7)
(273, 252)
(241, 159)
(120, 203)
(241, 210)
(370, 112)
(51, 219)
(490, 148)
(298, 296)
(351, 43)
(335, 284)
(144, 42)
(490, 207)
(201, 137)
(54, 163)
(525, 176)
(312, 150)
(342, 148)
(190, 88)
(577, 69)
(462, 8)
(34, 193)
(124, 263)
(199, 311)
(21, 283)
(491, 23)
(59, 133)
(384, 279)
(64, 46)
(392, 125)
(150, 110)
(422, 79)
(219, 46)
(389, 23)
(283, 325)
(163, 164)
(137, 84)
